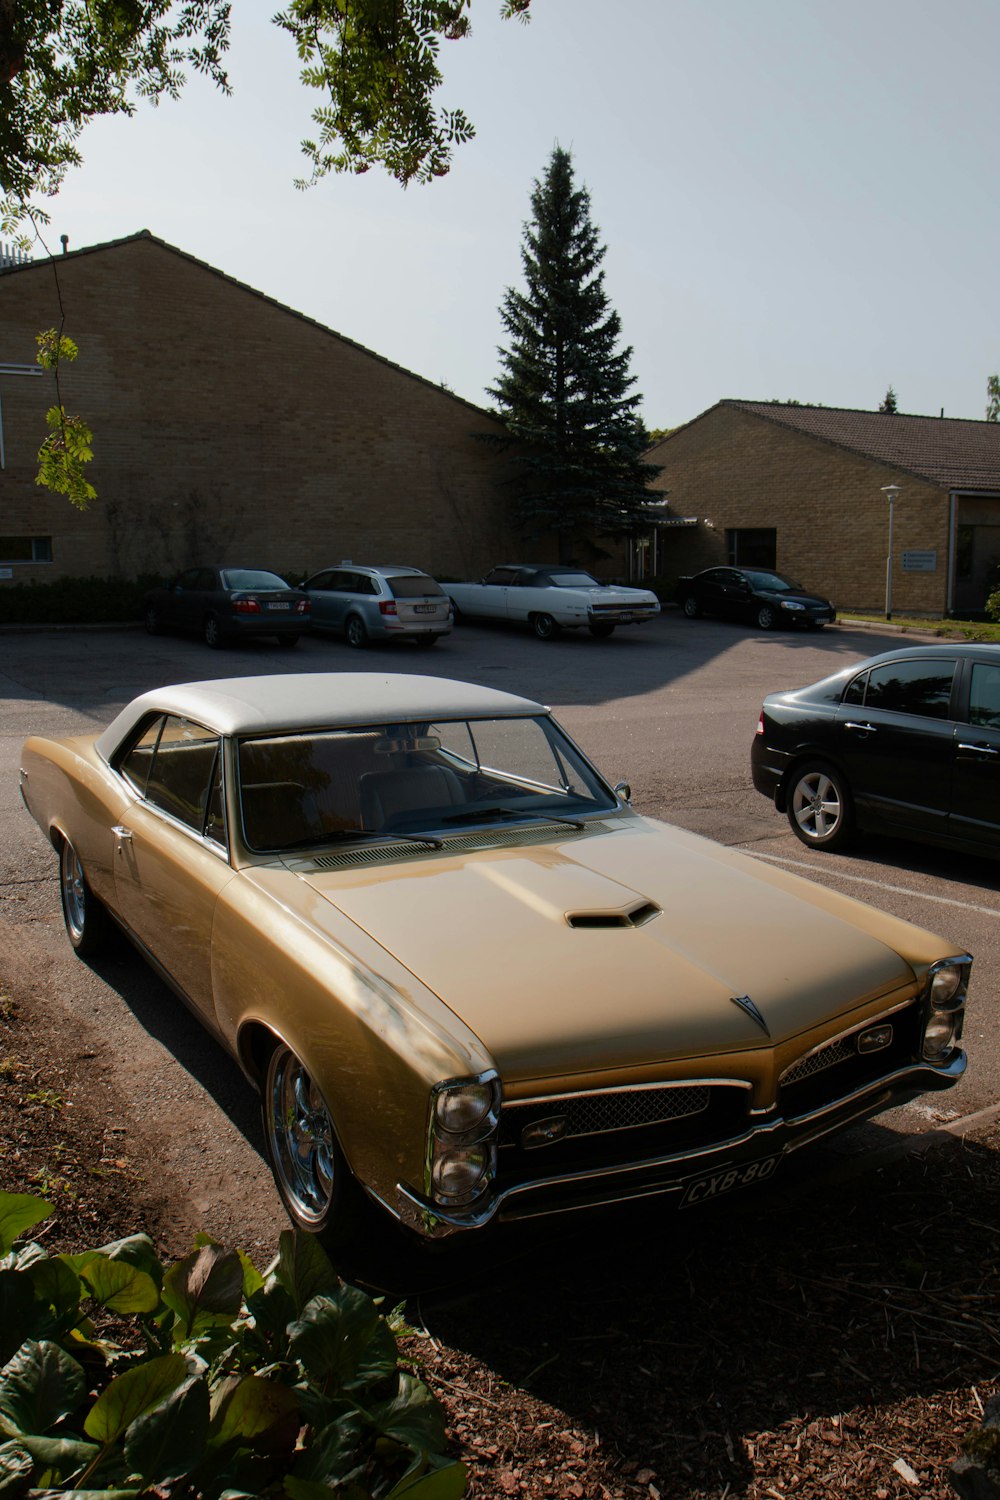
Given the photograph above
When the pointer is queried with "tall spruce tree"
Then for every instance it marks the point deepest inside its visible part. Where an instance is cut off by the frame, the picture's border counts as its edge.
(565, 391)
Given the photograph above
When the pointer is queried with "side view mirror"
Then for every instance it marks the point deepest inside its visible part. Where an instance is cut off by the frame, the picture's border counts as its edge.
(624, 791)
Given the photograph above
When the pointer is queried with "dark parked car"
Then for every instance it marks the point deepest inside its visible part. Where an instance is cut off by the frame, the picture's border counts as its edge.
(761, 595)
(906, 743)
(379, 604)
(221, 604)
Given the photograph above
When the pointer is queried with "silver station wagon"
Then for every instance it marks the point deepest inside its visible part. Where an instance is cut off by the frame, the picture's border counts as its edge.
(367, 604)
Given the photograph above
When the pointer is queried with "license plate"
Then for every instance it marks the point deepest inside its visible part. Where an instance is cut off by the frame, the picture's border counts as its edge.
(279, 606)
(624, 619)
(727, 1179)
(425, 609)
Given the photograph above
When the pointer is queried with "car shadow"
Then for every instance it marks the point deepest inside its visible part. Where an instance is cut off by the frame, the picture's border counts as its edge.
(680, 1337)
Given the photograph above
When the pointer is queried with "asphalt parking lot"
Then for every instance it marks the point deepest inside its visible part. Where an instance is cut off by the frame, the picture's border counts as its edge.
(670, 706)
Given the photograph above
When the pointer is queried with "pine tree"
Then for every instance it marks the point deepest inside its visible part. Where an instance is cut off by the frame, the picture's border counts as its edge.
(889, 402)
(564, 393)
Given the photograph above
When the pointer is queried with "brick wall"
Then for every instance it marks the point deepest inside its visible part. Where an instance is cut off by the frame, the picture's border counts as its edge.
(228, 429)
(732, 469)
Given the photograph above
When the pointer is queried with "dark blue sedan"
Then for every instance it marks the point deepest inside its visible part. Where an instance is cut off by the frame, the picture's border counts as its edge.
(224, 604)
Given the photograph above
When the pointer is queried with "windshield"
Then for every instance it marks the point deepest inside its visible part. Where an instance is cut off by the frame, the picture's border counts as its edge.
(251, 578)
(413, 586)
(775, 583)
(330, 786)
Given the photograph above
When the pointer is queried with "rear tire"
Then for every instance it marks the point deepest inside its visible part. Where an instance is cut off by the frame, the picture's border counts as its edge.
(425, 642)
(288, 641)
(212, 632)
(357, 635)
(601, 630)
(152, 621)
(88, 926)
(820, 806)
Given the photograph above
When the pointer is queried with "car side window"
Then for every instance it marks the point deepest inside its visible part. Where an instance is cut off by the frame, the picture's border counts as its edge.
(984, 696)
(321, 581)
(203, 579)
(500, 575)
(177, 766)
(856, 690)
(912, 687)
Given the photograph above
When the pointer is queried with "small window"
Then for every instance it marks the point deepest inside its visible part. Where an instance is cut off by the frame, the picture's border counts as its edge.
(175, 765)
(984, 696)
(912, 687)
(752, 546)
(856, 690)
(25, 549)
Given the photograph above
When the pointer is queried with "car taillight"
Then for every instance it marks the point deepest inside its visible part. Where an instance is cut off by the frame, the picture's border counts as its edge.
(760, 724)
(246, 606)
(387, 607)
(303, 607)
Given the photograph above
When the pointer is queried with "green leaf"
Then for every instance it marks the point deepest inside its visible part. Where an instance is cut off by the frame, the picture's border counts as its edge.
(18, 1212)
(335, 1450)
(132, 1395)
(16, 1468)
(120, 1287)
(58, 1458)
(342, 1339)
(304, 1269)
(39, 1386)
(57, 1285)
(168, 1442)
(136, 1250)
(413, 1416)
(446, 1482)
(22, 1315)
(204, 1289)
(254, 1407)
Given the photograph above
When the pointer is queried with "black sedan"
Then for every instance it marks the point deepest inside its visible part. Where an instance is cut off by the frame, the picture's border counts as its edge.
(906, 743)
(760, 595)
(223, 604)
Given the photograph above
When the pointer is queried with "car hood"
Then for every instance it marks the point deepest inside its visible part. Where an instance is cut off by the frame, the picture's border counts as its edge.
(797, 596)
(612, 950)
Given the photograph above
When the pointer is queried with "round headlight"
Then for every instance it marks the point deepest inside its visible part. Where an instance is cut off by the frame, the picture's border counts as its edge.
(944, 987)
(939, 1036)
(462, 1109)
(459, 1175)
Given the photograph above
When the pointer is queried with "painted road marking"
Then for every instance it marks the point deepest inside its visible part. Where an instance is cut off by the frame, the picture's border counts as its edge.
(878, 885)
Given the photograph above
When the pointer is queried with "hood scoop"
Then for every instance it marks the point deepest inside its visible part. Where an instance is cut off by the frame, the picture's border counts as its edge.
(636, 916)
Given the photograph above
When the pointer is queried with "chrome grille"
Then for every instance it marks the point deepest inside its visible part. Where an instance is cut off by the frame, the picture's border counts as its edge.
(815, 1062)
(597, 1114)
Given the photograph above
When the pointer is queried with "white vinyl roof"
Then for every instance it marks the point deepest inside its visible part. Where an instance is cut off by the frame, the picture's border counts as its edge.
(315, 700)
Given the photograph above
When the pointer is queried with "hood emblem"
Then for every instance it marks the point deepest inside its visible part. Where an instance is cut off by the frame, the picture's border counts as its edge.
(745, 1003)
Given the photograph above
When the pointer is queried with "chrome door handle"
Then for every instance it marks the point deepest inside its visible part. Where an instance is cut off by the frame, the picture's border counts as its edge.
(979, 749)
(122, 835)
(862, 728)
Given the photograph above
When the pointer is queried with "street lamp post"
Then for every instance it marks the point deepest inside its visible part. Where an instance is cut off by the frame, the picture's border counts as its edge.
(890, 491)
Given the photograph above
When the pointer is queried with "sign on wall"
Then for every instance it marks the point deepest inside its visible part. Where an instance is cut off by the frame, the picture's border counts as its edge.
(919, 562)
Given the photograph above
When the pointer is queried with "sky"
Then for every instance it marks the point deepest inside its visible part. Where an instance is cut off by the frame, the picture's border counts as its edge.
(798, 199)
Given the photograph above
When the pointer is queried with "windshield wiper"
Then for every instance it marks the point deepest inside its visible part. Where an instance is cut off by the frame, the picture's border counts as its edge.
(500, 814)
(357, 835)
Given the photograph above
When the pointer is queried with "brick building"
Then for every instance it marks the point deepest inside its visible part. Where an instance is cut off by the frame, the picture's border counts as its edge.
(800, 488)
(228, 428)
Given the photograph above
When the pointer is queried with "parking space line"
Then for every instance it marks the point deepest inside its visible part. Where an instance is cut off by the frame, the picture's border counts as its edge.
(879, 885)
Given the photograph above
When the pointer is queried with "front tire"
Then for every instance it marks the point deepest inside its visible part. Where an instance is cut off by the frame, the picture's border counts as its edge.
(88, 925)
(766, 618)
(820, 806)
(309, 1168)
(152, 621)
(691, 607)
(545, 627)
(357, 635)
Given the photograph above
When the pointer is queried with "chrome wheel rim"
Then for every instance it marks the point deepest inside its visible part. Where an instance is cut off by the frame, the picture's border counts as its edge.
(355, 632)
(74, 891)
(212, 631)
(817, 805)
(301, 1138)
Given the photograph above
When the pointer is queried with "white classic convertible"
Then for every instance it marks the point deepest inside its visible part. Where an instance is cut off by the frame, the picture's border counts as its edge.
(550, 598)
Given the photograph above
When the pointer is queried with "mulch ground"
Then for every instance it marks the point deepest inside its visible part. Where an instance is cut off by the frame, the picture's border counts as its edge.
(832, 1334)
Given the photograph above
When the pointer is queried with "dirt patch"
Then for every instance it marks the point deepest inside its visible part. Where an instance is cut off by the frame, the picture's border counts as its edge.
(835, 1333)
